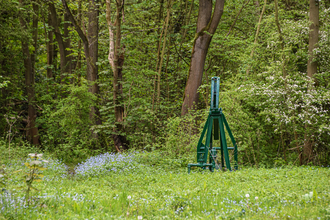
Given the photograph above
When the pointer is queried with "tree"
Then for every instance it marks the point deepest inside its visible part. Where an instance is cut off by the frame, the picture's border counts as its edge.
(62, 41)
(29, 64)
(49, 48)
(207, 24)
(116, 59)
(90, 42)
(311, 65)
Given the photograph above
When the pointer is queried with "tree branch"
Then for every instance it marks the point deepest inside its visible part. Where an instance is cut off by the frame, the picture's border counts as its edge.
(217, 13)
(78, 29)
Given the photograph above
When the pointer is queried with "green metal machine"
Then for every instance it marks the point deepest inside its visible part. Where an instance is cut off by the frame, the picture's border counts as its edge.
(215, 130)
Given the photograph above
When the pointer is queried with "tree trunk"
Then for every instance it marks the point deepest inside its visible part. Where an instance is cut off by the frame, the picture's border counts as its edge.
(62, 41)
(32, 130)
(311, 66)
(90, 44)
(116, 60)
(92, 69)
(50, 51)
(169, 6)
(206, 27)
(313, 36)
(78, 65)
(67, 45)
(35, 20)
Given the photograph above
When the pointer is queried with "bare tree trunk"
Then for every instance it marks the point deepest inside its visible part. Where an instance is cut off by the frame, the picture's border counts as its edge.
(281, 40)
(67, 45)
(35, 20)
(90, 44)
(158, 59)
(206, 26)
(116, 60)
(311, 66)
(313, 37)
(78, 66)
(92, 69)
(62, 41)
(169, 6)
(32, 130)
(50, 50)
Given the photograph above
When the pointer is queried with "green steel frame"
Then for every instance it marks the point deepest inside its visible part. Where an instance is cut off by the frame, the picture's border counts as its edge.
(215, 130)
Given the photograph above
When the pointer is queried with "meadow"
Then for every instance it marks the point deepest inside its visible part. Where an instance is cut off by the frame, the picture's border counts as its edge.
(144, 185)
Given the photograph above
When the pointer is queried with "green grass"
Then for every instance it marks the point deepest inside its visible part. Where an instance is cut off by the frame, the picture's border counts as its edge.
(157, 193)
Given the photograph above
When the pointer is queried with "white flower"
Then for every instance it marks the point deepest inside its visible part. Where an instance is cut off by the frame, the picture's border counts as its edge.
(256, 197)
(139, 217)
(129, 197)
(34, 155)
(247, 195)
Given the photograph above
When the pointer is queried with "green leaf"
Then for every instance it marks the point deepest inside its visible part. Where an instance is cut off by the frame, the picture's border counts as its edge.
(34, 188)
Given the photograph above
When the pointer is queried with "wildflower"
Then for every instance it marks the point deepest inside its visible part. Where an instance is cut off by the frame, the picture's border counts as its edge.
(129, 197)
(139, 217)
(256, 197)
(35, 155)
(247, 195)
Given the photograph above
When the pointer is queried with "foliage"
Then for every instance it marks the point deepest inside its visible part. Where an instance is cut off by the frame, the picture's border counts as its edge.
(66, 122)
(3, 176)
(265, 96)
(182, 133)
(35, 167)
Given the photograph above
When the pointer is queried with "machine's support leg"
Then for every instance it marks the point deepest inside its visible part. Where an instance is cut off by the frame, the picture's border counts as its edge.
(200, 144)
(203, 132)
(208, 138)
(224, 142)
(232, 140)
(211, 161)
(222, 158)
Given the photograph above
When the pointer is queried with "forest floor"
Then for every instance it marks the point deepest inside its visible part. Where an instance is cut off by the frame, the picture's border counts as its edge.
(126, 186)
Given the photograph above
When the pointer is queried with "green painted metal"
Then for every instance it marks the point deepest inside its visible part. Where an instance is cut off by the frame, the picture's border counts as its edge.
(214, 129)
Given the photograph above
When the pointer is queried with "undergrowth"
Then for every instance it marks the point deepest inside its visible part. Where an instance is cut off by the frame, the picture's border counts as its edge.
(155, 186)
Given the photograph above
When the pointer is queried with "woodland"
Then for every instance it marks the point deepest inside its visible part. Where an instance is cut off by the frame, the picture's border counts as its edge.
(80, 78)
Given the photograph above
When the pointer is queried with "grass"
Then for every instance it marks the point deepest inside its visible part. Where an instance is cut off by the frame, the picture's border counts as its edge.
(127, 186)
